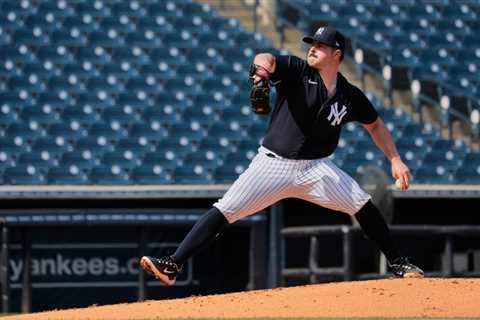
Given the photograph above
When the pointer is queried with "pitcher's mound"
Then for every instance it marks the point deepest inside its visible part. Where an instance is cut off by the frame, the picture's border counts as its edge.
(429, 297)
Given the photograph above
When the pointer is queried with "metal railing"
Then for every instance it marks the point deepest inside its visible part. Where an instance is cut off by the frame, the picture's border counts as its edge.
(447, 233)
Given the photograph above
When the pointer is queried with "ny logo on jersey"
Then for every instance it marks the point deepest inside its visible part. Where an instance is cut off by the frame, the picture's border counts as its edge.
(336, 115)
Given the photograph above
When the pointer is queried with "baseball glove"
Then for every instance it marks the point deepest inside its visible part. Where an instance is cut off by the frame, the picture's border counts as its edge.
(260, 91)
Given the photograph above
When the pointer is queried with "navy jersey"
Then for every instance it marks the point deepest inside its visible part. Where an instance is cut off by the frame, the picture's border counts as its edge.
(305, 123)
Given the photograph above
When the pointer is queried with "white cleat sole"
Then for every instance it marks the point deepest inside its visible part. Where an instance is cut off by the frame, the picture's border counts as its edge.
(413, 275)
(149, 267)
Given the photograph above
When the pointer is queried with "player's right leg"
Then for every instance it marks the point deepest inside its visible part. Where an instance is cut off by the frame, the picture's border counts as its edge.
(265, 181)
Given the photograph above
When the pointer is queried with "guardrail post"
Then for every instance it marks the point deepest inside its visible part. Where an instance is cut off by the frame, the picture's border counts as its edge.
(4, 270)
(142, 282)
(27, 272)
(275, 247)
(347, 252)
(312, 260)
(448, 267)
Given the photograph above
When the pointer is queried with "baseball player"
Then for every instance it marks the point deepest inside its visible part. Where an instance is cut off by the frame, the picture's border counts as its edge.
(313, 102)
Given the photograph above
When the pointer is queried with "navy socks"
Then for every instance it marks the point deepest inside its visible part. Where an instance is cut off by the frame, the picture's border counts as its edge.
(205, 230)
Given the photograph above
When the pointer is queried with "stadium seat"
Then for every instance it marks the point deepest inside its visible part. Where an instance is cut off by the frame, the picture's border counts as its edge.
(69, 38)
(92, 9)
(229, 172)
(192, 175)
(151, 174)
(432, 175)
(23, 175)
(125, 159)
(82, 24)
(109, 175)
(68, 175)
(31, 37)
(82, 159)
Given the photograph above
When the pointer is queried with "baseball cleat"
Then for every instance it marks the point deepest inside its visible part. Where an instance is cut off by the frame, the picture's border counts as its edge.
(403, 268)
(164, 269)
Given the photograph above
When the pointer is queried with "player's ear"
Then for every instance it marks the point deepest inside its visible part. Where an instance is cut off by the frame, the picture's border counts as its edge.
(338, 53)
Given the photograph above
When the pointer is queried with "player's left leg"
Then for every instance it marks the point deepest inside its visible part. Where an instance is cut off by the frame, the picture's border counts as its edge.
(327, 185)
(205, 230)
(266, 181)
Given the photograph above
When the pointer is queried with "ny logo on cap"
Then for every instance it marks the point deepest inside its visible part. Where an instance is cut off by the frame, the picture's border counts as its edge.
(319, 31)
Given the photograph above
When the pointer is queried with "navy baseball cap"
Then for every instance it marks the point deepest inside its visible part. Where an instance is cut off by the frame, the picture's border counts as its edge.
(329, 36)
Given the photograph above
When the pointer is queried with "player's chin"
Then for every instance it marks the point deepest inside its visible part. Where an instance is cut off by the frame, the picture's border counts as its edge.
(313, 62)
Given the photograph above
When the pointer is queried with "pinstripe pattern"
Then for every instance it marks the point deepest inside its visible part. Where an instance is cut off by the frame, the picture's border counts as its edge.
(268, 180)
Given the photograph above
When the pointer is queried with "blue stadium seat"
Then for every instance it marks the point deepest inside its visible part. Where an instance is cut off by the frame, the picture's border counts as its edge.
(148, 85)
(7, 159)
(83, 70)
(23, 175)
(157, 24)
(137, 145)
(96, 146)
(121, 24)
(120, 118)
(55, 146)
(174, 148)
(8, 115)
(184, 41)
(432, 175)
(82, 159)
(126, 159)
(145, 40)
(192, 175)
(108, 85)
(136, 102)
(109, 175)
(198, 71)
(28, 132)
(134, 55)
(69, 38)
(96, 56)
(170, 9)
(80, 116)
(92, 9)
(58, 9)
(168, 55)
(71, 84)
(44, 115)
(31, 84)
(161, 71)
(228, 173)
(84, 25)
(20, 9)
(42, 159)
(232, 133)
(67, 175)
(163, 115)
(110, 39)
(36, 37)
(58, 55)
(446, 159)
(111, 131)
(152, 133)
(151, 174)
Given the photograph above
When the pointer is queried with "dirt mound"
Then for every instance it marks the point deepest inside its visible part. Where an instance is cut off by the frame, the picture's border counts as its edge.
(428, 297)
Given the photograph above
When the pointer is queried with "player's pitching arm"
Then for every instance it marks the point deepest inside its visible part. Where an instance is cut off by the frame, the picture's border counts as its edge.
(383, 139)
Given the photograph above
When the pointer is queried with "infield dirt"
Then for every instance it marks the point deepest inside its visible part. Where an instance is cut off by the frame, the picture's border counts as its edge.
(421, 298)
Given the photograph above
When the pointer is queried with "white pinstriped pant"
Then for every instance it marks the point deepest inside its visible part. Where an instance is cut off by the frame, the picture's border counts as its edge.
(268, 180)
